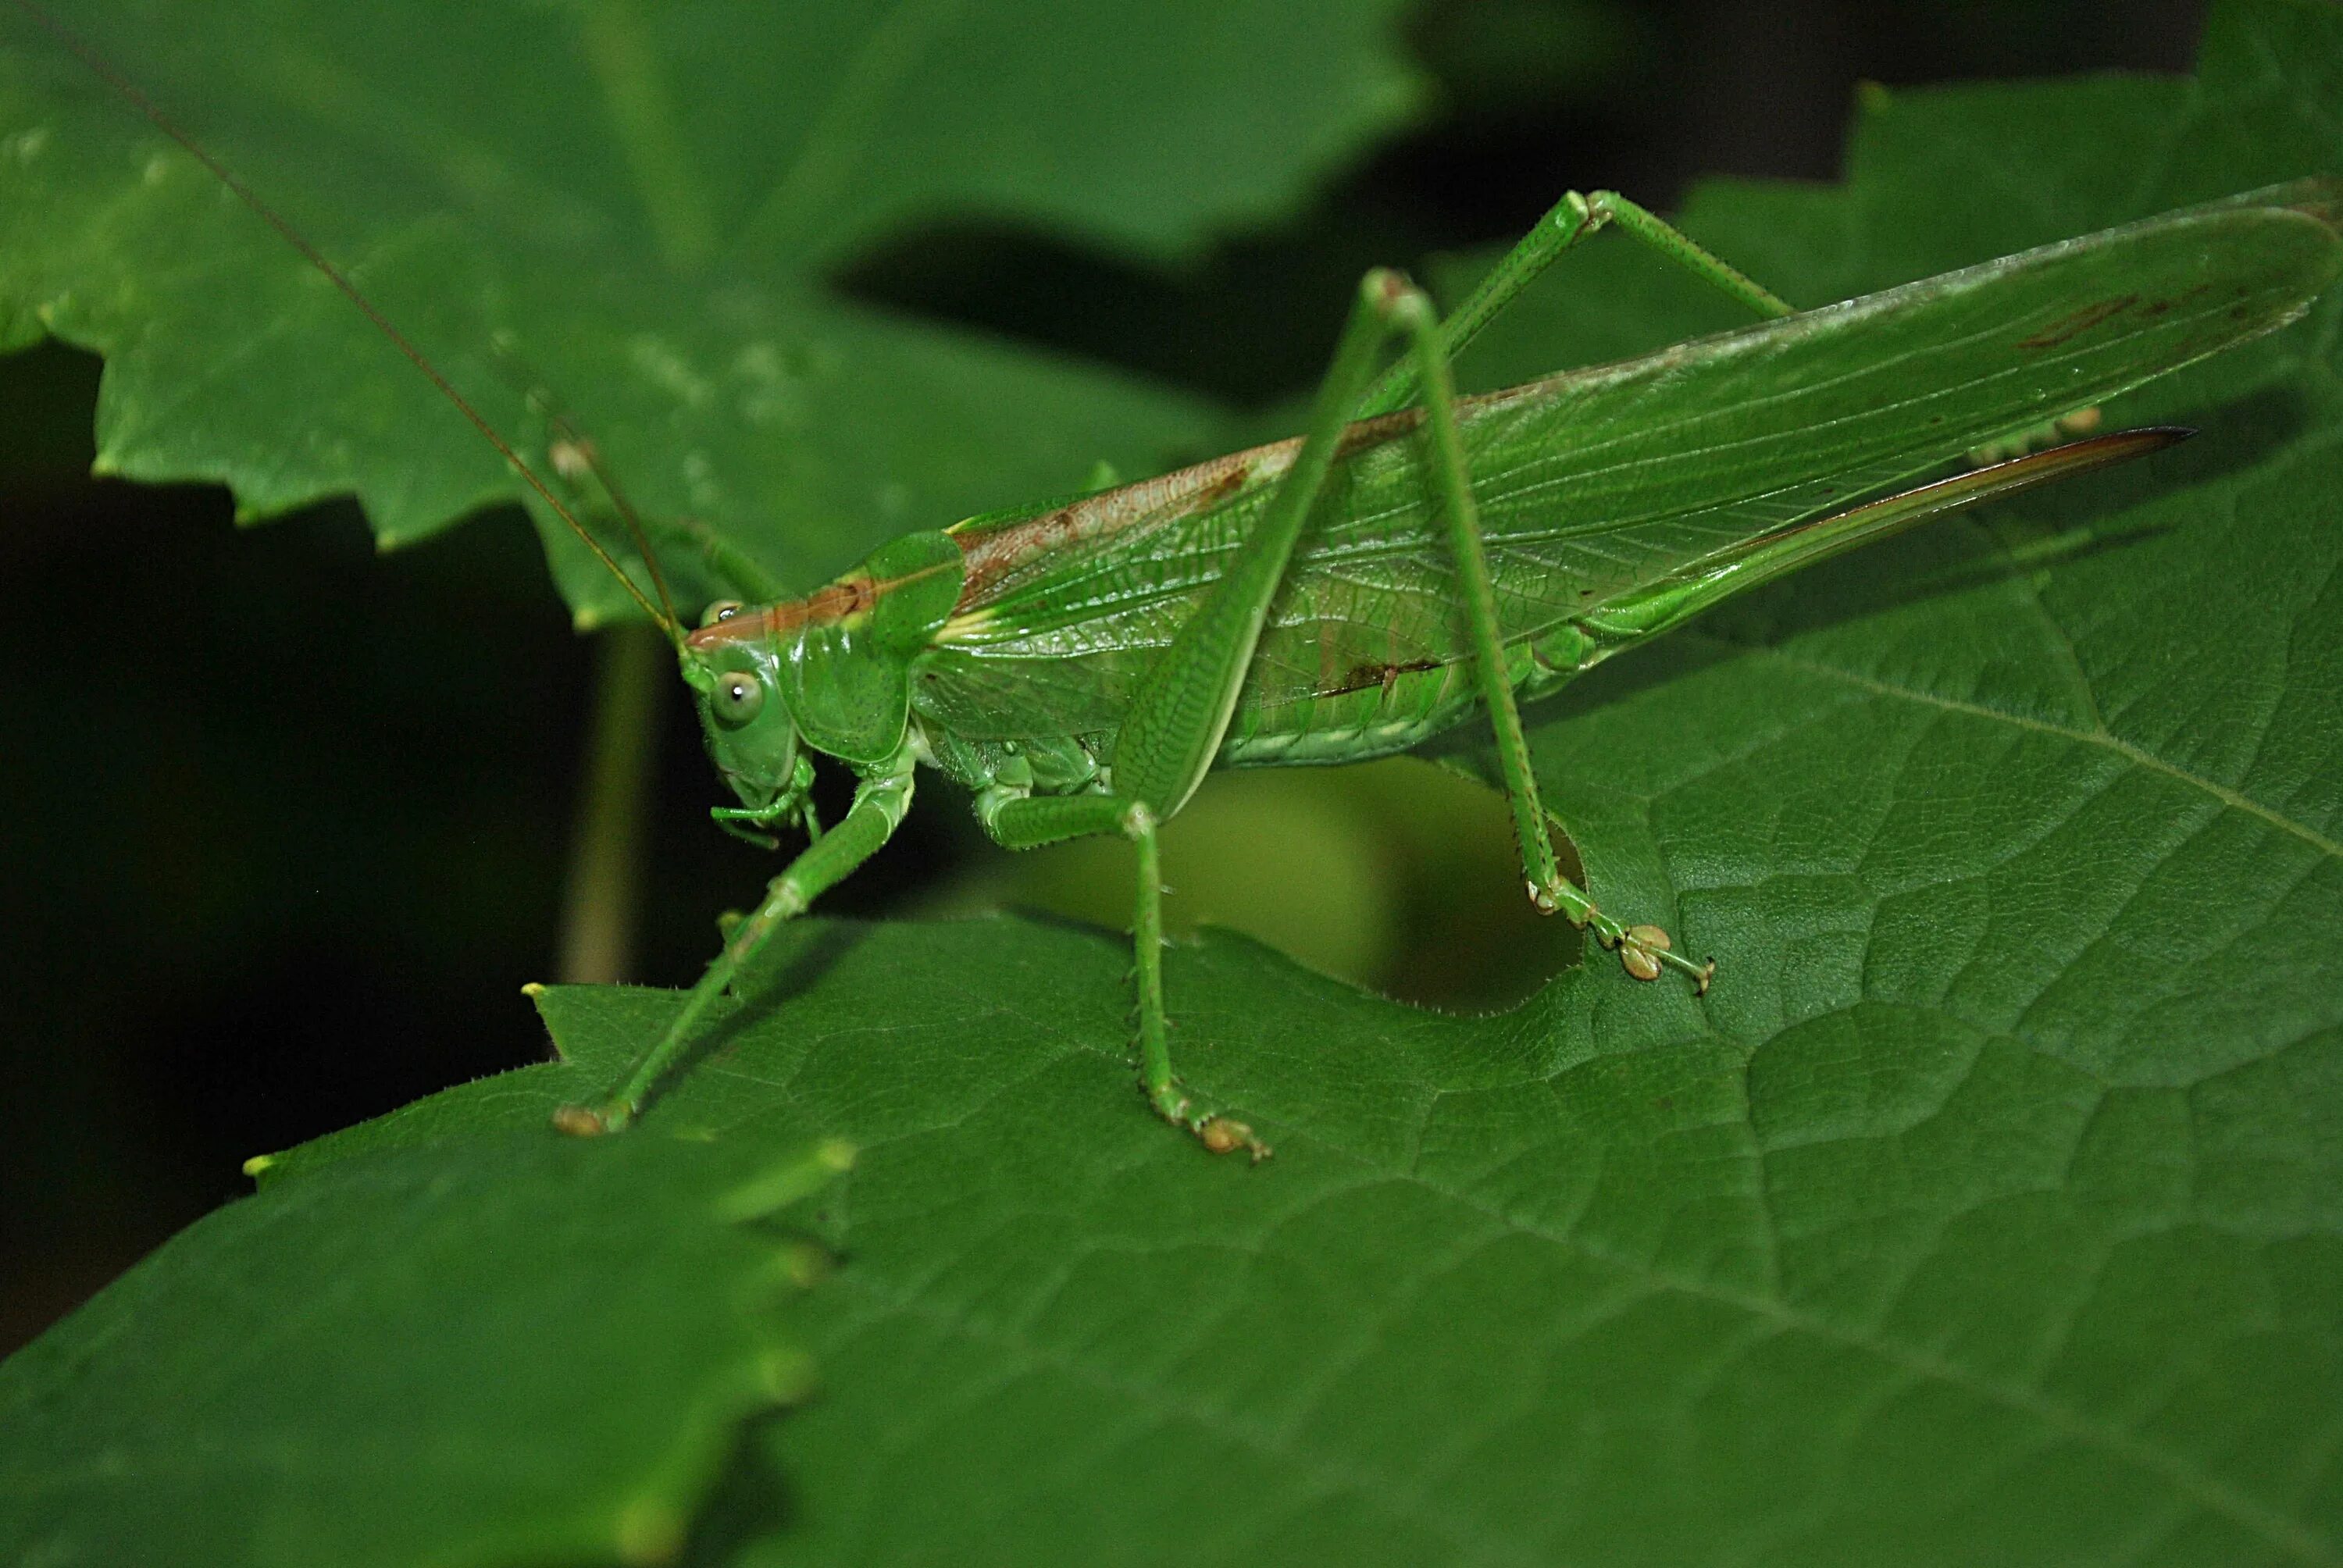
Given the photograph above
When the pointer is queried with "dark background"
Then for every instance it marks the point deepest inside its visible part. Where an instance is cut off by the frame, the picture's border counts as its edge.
(323, 844)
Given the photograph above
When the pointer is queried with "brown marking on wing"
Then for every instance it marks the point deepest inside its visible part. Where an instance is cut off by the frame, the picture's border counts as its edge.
(2154, 307)
(1219, 489)
(989, 554)
(1364, 434)
(2068, 328)
(841, 600)
(1386, 676)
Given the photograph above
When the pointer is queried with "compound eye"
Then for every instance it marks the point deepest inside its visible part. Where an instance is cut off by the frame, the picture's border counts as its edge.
(722, 610)
(738, 697)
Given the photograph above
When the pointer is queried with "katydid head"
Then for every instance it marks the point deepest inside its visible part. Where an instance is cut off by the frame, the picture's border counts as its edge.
(751, 737)
(831, 672)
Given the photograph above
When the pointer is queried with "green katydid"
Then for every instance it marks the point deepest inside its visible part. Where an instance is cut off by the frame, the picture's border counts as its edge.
(1415, 561)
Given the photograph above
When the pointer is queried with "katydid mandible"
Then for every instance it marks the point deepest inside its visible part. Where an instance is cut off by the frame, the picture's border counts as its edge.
(1414, 561)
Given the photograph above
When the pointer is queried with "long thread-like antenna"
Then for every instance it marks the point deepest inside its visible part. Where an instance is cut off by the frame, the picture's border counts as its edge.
(573, 448)
(592, 455)
(101, 68)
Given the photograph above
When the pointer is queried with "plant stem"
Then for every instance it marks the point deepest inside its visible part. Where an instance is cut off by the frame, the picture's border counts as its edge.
(606, 853)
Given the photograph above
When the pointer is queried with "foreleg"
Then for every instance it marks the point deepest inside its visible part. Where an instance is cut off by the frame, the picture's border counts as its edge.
(880, 803)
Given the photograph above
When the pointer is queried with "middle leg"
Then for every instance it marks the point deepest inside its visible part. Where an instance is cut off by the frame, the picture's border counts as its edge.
(1029, 822)
(1175, 722)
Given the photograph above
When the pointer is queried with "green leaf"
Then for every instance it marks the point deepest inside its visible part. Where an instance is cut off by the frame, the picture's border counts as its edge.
(522, 1349)
(1988, 1210)
(647, 203)
(1985, 1211)
(1578, 1283)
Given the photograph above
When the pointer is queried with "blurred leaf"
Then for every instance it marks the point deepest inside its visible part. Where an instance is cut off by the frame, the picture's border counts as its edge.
(647, 199)
(1519, 56)
(1990, 1209)
(1394, 875)
(525, 1349)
